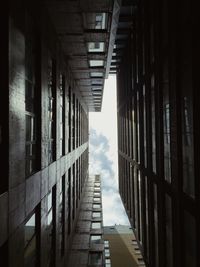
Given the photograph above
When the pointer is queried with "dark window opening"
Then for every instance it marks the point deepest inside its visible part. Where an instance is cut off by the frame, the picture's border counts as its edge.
(32, 100)
(62, 115)
(52, 110)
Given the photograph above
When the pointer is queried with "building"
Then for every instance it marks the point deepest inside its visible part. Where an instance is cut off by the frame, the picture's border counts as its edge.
(158, 128)
(121, 247)
(54, 59)
(55, 56)
(87, 245)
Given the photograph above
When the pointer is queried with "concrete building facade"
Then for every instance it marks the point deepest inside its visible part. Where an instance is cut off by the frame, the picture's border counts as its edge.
(87, 246)
(121, 247)
(54, 59)
(158, 129)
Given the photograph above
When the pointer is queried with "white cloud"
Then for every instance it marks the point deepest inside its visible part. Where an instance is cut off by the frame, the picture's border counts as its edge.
(103, 155)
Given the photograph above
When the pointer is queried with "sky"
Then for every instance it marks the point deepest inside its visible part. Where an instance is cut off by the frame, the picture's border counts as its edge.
(103, 158)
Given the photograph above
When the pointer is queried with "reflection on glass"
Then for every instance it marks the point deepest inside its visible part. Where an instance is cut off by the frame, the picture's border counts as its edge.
(96, 74)
(153, 116)
(95, 239)
(30, 243)
(187, 144)
(138, 127)
(106, 243)
(107, 252)
(29, 229)
(145, 128)
(108, 262)
(96, 47)
(95, 258)
(96, 214)
(96, 225)
(96, 63)
(96, 206)
(49, 218)
(166, 123)
(49, 201)
(96, 21)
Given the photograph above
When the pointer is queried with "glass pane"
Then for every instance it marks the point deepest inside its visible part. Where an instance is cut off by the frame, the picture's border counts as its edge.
(95, 21)
(49, 218)
(95, 258)
(96, 206)
(166, 125)
(30, 254)
(187, 144)
(107, 252)
(106, 243)
(96, 214)
(29, 229)
(29, 96)
(96, 74)
(96, 199)
(49, 204)
(145, 128)
(30, 128)
(96, 225)
(96, 63)
(95, 47)
(153, 116)
(95, 239)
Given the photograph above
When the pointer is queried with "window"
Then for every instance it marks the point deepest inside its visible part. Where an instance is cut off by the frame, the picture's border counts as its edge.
(31, 242)
(96, 225)
(62, 115)
(97, 184)
(69, 193)
(96, 206)
(51, 206)
(73, 120)
(96, 214)
(107, 263)
(106, 243)
(96, 198)
(107, 252)
(95, 258)
(153, 112)
(97, 188)
(95, 239)
(96, 63)
(96, 74)
(96, 21)
(31, 102)
(97, 83)
(187, 144)
(97, 194)
(62, 215)
(51, 110)
(95, 47)
(70, 119)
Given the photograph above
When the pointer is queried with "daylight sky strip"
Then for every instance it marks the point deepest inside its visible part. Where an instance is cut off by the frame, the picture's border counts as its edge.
(103, 155)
